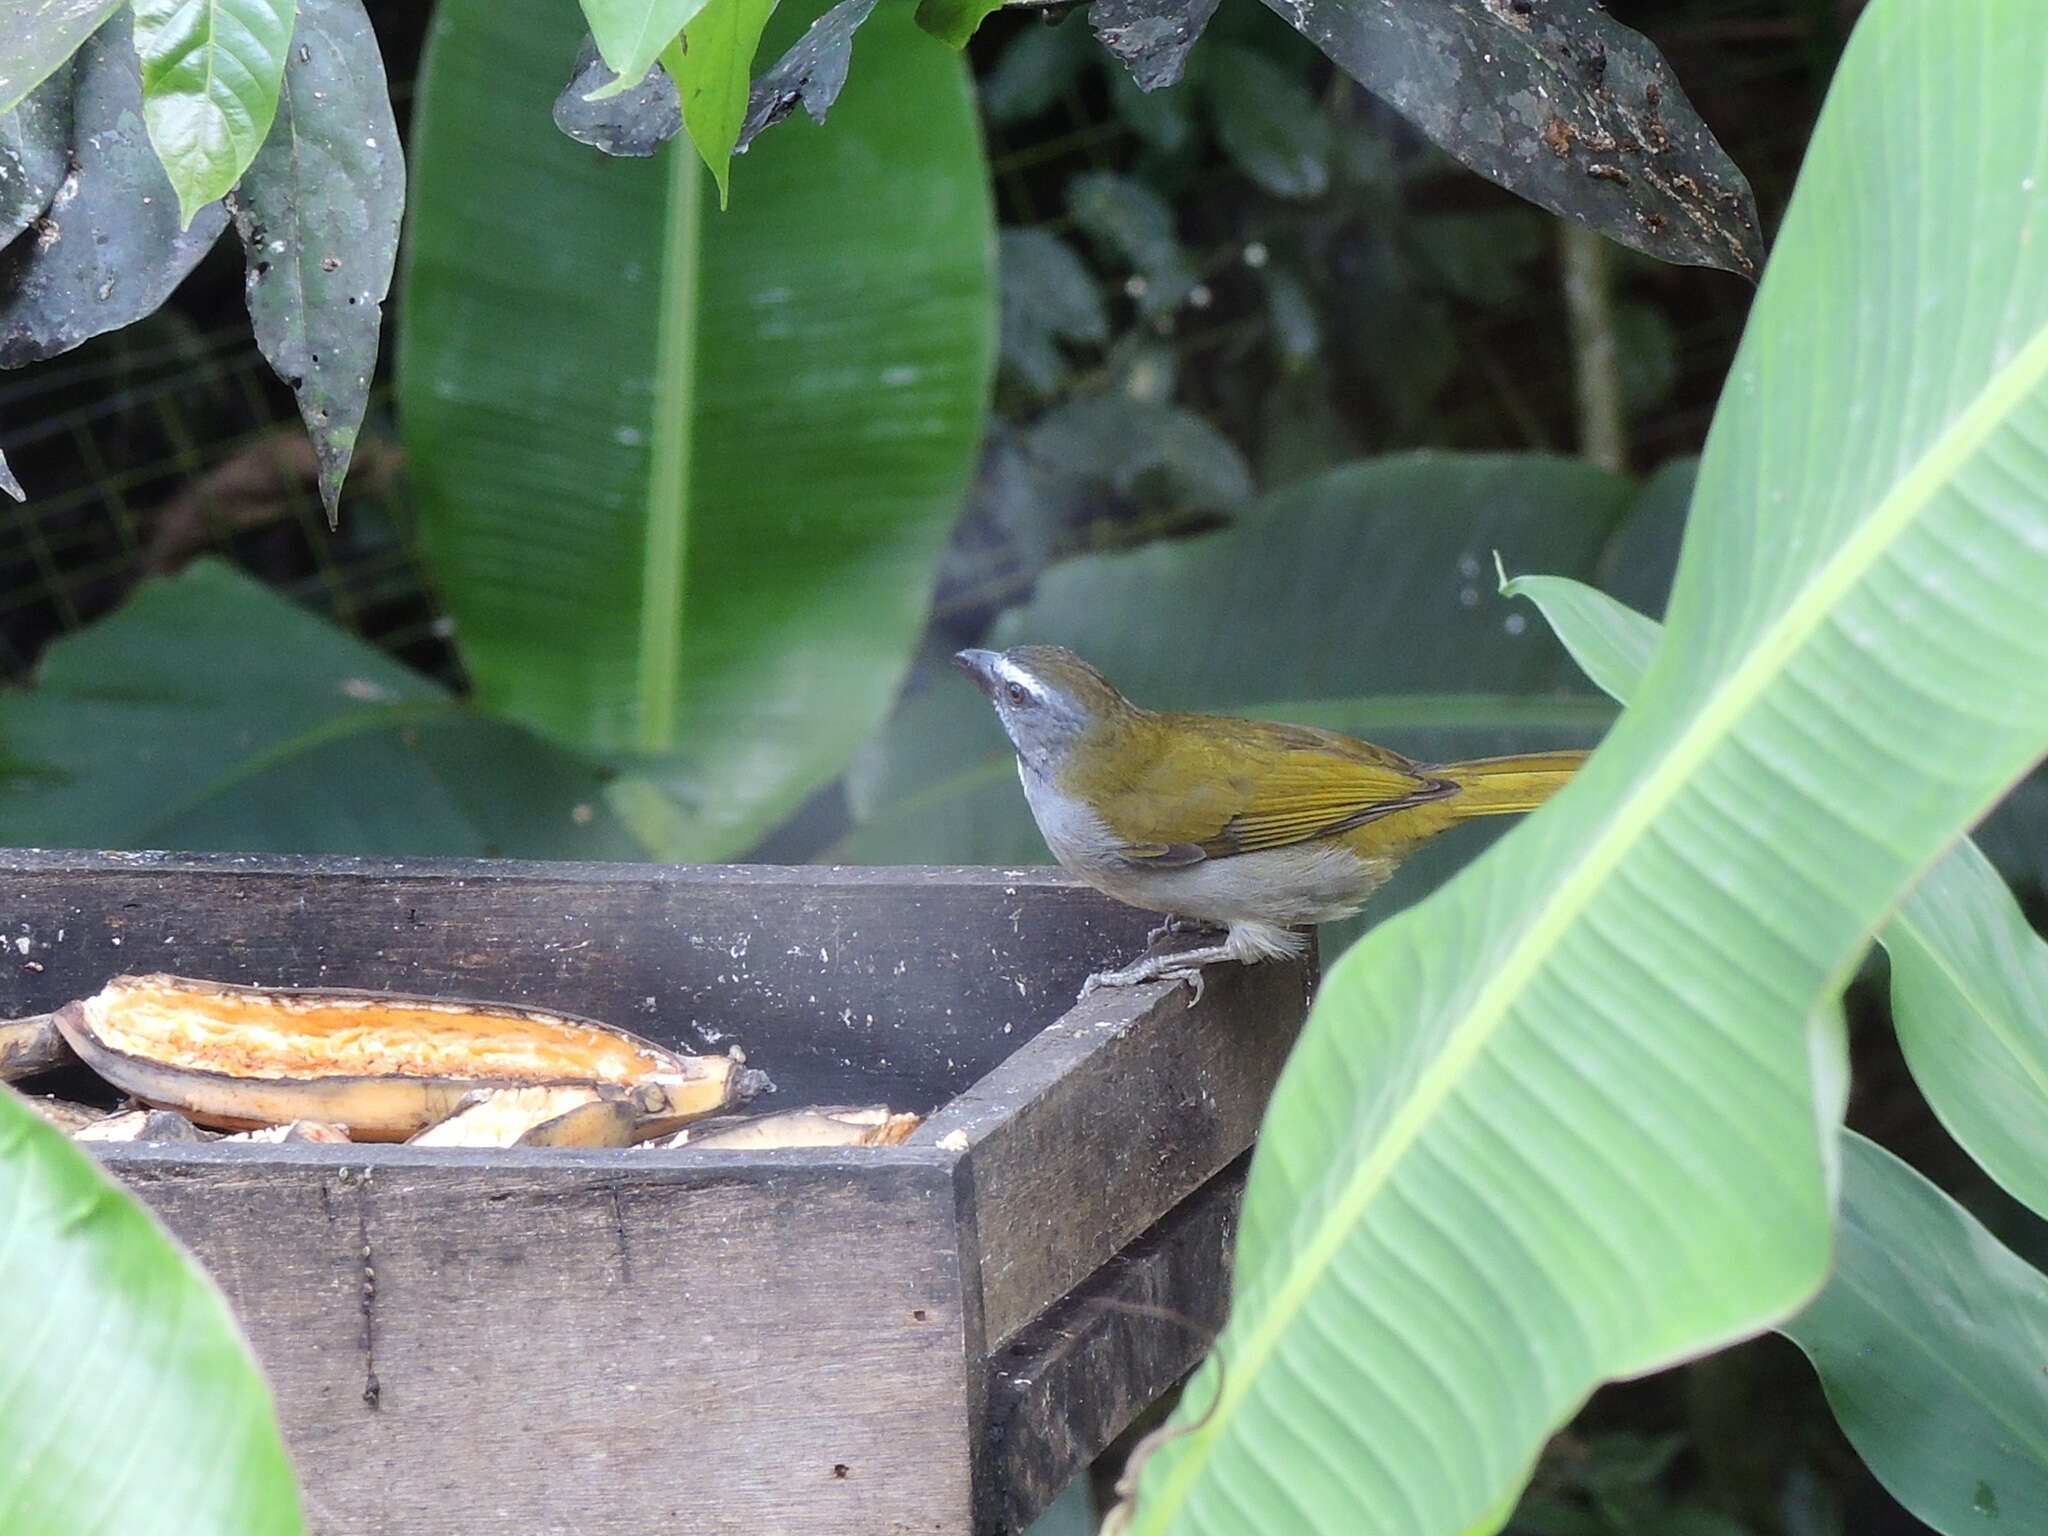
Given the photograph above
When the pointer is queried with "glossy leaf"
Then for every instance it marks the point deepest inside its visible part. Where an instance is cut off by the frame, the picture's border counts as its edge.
(211, 70)
(318, 213)
(685, 477)
(36, 36)
(1559, 103)
(9, 484)
(635, 122)
(1573, 1117)
(1969, 974)
(712, 65)
(131, 1402)
(953, 22)
(115, 250)
(813, 72)
(210, 713)
(1970, 1001)
(1930, 1340)
(630, 34)
(1152, 37)
(33, 140)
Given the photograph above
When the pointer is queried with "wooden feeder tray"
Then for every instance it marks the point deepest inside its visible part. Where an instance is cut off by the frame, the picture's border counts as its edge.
(867, 1341)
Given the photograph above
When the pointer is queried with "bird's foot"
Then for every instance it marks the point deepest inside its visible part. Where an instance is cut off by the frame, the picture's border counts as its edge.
(1182, 965)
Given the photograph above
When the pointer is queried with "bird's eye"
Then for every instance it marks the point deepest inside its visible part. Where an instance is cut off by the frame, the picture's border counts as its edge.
(1018, 693)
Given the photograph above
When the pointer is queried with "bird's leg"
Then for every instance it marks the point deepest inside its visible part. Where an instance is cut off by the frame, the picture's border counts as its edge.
(1245, 943)
(1174, 923)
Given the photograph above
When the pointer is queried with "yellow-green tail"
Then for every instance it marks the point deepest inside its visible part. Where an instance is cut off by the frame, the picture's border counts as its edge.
(1498, 786)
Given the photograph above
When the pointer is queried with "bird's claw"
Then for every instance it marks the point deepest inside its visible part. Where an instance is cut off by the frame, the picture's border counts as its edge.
(1137, 974)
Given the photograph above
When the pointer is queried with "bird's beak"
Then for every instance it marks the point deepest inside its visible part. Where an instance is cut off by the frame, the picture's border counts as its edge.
(980, 666)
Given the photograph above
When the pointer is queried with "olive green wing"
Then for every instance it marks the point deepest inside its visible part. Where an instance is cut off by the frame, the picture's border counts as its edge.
(1218, 787)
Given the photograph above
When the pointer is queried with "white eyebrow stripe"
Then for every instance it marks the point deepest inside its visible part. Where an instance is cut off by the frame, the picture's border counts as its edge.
(1015, 674)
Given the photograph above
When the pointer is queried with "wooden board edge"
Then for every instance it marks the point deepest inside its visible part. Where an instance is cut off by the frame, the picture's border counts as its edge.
(1063, 1389)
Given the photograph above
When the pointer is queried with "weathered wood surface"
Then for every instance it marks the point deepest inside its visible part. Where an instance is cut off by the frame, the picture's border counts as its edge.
(845, 985)
(1062, 1391)
(1127, 1105)
(872, 1342)
(596, 1343)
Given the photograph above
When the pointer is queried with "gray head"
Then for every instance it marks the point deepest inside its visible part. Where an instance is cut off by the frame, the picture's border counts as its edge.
(1045, 696)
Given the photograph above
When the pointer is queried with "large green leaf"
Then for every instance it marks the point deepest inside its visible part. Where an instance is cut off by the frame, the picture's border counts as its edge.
(129, 1402)
(1354, 600)
(210, 76)
(1969, 974)
(1970, 1001)
(685, 477)
(1930, 1340)
(211, 713)
(1562, 1122)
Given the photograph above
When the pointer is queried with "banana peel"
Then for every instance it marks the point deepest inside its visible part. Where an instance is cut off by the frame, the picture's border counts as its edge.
(383, 1065)
(31, 1045)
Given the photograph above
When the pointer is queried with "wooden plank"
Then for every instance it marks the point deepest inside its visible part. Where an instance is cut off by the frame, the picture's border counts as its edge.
(591, 1342)
(1063, 1390)
(846, 985)
(1112, 1116)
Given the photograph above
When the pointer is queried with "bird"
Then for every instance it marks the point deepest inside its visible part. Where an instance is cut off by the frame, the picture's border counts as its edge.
(1251, 826)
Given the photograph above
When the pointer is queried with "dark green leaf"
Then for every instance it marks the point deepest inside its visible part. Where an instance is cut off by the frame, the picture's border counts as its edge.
(114, 251)
(1483, 258)
(1143, 446)
(1049, 297)
(1130, 220)
(630, 34)
(132, 1401)
(1267, 122)
(710, 65)
(812, 72)
(210, 76)
(1152, 37)
(211, 713)
(1932, 1342)
(1297, 328)
(1035, 69)
(1557, 102)
(1647, 347)
(635, 122)
(673, 523)
(1162, 119)
(318, 213)
(38, 35)
(33, 138)
(952, 22)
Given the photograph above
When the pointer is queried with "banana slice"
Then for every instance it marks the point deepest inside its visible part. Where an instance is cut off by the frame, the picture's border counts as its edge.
(535, 1117)
(873, 1125)
(383, 1065)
